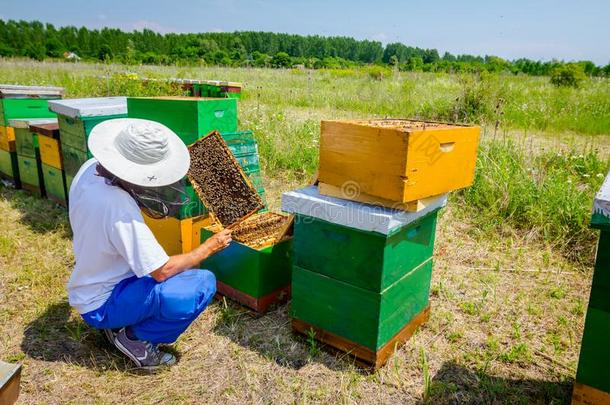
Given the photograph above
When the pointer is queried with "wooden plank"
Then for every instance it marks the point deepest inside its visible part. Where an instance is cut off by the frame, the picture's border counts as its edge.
(440, 161)
(376, 359)
(410, 206)
(10, 378)
(7, 138)
(258, 305)
(586, 395)
(374, 158)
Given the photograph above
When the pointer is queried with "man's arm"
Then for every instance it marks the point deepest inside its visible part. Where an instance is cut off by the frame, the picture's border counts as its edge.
(179, 263)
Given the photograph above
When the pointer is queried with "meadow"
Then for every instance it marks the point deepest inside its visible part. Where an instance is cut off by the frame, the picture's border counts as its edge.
(512, 262)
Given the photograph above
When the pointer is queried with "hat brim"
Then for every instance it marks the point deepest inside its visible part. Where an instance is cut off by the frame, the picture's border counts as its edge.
(167, 171)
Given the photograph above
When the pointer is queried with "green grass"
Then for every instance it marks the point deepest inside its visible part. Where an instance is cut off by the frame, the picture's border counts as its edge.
(547, 195)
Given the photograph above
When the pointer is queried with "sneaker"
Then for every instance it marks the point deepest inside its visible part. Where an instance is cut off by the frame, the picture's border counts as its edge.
(144, 354)
(110, 335)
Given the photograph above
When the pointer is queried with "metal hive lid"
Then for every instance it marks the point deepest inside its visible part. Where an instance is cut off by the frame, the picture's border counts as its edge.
(308, 201)
(89, 107)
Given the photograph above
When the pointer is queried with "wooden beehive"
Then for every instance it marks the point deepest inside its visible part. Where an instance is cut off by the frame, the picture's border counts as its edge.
(361, 274)
(78, 116)
(592, 385)
(392, 162)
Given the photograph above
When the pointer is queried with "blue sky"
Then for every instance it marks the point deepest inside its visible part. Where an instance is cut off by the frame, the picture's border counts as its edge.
(537, 29)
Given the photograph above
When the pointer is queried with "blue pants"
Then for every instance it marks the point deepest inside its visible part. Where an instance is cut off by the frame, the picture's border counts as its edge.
(156, 312)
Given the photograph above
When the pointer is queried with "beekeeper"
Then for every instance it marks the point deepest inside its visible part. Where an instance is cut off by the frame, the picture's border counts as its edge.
(123, 282)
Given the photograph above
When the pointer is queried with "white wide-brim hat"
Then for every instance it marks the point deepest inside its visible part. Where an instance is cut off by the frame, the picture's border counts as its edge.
(141, 152)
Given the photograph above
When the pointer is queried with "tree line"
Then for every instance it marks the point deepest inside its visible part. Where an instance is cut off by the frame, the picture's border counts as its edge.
(40, 41)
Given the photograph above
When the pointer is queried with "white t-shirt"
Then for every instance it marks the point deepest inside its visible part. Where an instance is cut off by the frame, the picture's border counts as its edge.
(111, 240)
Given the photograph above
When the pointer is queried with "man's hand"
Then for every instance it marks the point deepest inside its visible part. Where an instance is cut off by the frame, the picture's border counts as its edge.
(179, 263)
(218, 242)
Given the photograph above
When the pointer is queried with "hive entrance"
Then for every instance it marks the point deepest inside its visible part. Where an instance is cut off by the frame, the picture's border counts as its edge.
(220, 182)
(262, 230)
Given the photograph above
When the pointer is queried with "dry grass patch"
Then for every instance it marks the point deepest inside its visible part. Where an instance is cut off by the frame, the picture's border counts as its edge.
(506, 324)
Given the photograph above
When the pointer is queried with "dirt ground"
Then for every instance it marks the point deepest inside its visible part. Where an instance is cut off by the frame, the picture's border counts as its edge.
(506, 324)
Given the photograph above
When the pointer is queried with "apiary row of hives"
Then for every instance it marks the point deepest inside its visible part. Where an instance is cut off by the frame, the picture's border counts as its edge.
(364, 236)
(44, 143)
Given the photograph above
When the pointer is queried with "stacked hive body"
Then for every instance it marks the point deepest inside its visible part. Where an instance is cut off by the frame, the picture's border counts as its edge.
(255, 269)
(361, 273)
(28, 153)
(592, 385)
(364, 237)
(76, 118)
(18, 102)
(51, 162)
(190, 118)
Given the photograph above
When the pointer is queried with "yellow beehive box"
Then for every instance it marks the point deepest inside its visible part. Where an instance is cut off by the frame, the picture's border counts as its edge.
(178, 236)
(7, 139)
(395, 162)
(50, 151)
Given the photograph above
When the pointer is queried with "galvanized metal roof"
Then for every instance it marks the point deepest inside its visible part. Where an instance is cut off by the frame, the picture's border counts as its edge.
(308, 201)
(89, 107)
(18, 91)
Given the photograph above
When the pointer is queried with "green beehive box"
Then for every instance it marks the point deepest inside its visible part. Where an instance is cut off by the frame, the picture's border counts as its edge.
(30, 175)
(9, 168)
(255, 278)
(368, 247)
(239, 136)
(73, 159)
(600, 285)
(189, 117)
(78, 116)
(55, 184)
(26, 141)
(594, 361)
(593, 374)
(26, 102)
(364, 317)
(251, 271)
(250, 163)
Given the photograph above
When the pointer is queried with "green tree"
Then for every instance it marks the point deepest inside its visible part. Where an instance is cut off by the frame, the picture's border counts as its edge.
(281, 60)
(568, 75)
(105, 53)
